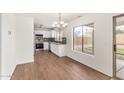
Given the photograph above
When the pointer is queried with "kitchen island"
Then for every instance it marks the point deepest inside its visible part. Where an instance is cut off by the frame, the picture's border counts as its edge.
(58, 49)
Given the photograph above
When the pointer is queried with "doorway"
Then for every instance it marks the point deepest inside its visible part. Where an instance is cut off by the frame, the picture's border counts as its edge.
(118, 49)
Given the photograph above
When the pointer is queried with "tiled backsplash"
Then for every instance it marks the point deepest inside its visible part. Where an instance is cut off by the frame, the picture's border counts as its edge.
(40, 39)
(48, 39)
(53, 40)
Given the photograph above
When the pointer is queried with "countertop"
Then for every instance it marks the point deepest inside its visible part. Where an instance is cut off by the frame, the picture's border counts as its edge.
(57, 43)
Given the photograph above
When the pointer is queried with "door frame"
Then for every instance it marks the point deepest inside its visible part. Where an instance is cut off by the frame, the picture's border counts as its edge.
(114, 45)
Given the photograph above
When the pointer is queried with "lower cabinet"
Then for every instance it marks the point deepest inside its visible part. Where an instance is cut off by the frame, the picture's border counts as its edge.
(58, 49)
(46, 46)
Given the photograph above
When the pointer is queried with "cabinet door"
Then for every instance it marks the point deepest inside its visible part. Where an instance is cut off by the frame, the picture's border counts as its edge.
(53, 34)
(46, 34)
(46, 46)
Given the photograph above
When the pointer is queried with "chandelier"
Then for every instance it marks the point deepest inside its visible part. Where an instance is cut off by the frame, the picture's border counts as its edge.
(59, 24)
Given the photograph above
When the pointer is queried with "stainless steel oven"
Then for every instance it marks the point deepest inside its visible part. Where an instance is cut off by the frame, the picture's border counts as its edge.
(39, 46)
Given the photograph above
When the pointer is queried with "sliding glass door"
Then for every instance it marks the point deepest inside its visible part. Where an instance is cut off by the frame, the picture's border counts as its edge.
(119, 46)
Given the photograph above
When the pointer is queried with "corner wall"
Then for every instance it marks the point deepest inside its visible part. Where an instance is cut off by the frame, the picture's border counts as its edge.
(8, 28)
(103, 38)
(24, 40)
(16, 42)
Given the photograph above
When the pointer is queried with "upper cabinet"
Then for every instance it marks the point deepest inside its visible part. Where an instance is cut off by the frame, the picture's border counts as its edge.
(46, 34)
(53, 34)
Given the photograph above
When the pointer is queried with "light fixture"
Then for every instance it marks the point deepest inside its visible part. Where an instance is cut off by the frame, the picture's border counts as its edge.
(59, 24)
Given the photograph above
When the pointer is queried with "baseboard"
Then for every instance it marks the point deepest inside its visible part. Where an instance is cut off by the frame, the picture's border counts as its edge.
(90, 67)
(5, 77)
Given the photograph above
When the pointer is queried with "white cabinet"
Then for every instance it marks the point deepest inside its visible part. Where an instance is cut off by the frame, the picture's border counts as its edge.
(53, 34)
(58, 49)
(46, 46)
(46, 34)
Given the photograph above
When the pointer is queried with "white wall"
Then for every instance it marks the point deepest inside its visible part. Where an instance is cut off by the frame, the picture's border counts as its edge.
(24, 39)
(16, 42)
(103, 34)
(8, 27)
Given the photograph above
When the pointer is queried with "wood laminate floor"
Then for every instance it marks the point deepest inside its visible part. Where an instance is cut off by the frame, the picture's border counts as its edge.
(48, 66)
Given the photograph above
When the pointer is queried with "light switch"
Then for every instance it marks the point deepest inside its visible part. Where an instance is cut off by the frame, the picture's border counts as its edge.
(9, 32)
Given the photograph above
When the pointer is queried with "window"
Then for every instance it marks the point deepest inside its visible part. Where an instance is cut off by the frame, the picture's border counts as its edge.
(78, 38)
(58, 36)
(88, 36)
(83, 38)
(53, 34)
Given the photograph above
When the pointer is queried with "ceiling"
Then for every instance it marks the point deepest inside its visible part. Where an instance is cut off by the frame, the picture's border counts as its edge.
(47, 19)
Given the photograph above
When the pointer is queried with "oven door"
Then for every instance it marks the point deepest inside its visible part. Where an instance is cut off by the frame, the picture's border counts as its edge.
(39, 46)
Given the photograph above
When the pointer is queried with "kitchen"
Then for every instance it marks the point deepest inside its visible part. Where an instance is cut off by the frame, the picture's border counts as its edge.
(46, 39)
(50, 35)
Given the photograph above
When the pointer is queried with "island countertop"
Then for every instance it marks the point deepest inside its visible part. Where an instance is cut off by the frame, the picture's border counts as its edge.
(57, 43)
